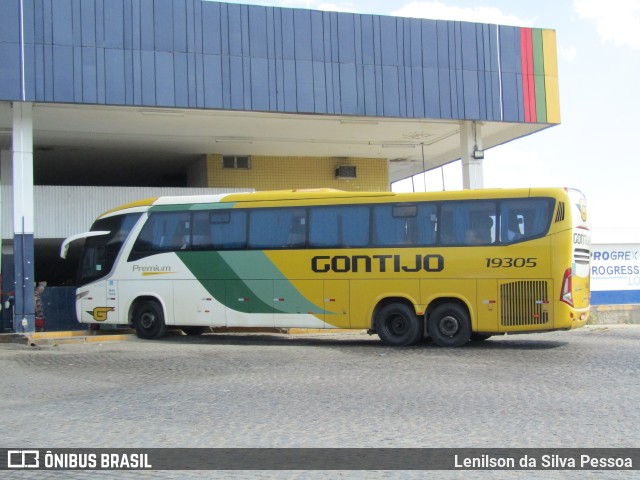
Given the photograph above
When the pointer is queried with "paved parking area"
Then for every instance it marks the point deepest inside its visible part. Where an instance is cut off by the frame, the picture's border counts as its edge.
(562, 389)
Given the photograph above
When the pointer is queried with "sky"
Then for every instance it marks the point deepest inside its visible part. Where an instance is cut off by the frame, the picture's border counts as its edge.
(594, 148)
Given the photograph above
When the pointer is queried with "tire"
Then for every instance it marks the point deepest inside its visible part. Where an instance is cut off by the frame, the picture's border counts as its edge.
(148, 321)
(449, 325)
(193, 331)
(397, 325)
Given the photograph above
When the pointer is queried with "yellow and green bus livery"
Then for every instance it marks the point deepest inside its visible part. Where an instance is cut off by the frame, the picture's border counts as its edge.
(452, 266)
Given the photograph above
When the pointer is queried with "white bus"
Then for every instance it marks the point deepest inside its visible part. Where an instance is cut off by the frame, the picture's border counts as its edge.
(453, 266)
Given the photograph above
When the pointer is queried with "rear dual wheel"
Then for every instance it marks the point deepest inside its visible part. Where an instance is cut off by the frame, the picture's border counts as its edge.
(449, 325)
(398, 325)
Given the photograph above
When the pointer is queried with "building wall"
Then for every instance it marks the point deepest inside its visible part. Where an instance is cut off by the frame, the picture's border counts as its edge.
(197, 173)
(202, 54)
(62, 211)
(615, 314)
(615, 274)
(284, 173)
(615, 283)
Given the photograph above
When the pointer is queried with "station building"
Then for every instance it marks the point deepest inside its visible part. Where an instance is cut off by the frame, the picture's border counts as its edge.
(103, 102)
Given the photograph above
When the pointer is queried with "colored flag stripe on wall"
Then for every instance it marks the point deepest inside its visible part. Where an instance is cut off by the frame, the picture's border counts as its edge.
(539, 75)
(528, 83)
(551, 75)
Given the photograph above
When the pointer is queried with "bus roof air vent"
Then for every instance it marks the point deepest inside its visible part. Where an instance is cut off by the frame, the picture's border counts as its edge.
(560, 212)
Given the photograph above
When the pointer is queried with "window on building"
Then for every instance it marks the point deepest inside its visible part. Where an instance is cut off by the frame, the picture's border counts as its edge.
(236, 161)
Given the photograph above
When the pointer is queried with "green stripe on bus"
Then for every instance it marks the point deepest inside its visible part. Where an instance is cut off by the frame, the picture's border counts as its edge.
(244, 281)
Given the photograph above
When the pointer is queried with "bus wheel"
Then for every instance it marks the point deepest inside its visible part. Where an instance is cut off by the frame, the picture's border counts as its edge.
(397, 325)
(449, 325)
(194, 330)
(149, 321)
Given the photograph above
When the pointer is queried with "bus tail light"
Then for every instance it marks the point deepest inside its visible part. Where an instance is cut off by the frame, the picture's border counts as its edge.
(565, 293)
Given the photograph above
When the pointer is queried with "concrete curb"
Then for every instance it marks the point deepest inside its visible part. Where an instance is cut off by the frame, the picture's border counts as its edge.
(15, 338)
(78, 336)
(43, 339)
(79, 339)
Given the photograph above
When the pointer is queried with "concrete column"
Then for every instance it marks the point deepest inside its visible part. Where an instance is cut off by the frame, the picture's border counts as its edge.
(6, 231)
(6, 177)
(472, 155)
(24, 312)
(6, 182)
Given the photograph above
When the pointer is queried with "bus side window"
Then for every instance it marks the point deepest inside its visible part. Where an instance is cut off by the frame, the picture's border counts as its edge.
(339, 226)
(354, 226)
(201, 239)
(394, 225)
(468, 223)
(480, 229)
(522, 219)
(219, 230)
(277, 228)
(427, 223)
(164, 232)
(228, 229)
(323, 226)
(178, 230)
(298, 229)
(455, 223)
(446, 233)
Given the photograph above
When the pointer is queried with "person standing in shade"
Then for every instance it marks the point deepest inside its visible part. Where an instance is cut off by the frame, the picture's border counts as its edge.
(39, 310)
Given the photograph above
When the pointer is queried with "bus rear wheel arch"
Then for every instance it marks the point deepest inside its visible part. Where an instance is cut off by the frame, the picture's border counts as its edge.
(148, 319)
(397, 324)
(449, 324)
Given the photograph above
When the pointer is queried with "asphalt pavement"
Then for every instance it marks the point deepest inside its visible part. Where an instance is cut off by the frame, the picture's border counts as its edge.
(562, 389)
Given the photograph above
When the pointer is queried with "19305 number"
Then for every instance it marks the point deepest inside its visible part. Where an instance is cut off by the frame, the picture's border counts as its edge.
(510, 262)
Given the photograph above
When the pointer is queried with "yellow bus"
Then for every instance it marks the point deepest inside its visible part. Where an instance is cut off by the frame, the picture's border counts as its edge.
(450, 266)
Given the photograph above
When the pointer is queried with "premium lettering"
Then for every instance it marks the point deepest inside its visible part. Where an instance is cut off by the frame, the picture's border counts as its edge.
(151, 268)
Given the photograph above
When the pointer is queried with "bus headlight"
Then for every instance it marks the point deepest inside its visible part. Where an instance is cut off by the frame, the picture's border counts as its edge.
(81, 295)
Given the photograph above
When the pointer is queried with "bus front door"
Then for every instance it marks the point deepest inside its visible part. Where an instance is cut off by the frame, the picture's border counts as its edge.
(94, 307)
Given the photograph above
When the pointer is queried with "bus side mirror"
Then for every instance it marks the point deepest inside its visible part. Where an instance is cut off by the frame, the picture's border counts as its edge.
(65, 245)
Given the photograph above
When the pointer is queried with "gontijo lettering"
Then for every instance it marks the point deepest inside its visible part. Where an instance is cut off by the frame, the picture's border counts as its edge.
(581, 239)
(376, 263)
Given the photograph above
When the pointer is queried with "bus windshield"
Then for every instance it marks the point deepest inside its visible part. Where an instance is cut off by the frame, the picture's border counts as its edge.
(100, 252)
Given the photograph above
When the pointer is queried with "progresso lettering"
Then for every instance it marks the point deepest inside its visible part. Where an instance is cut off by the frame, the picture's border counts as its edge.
(376, 263)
